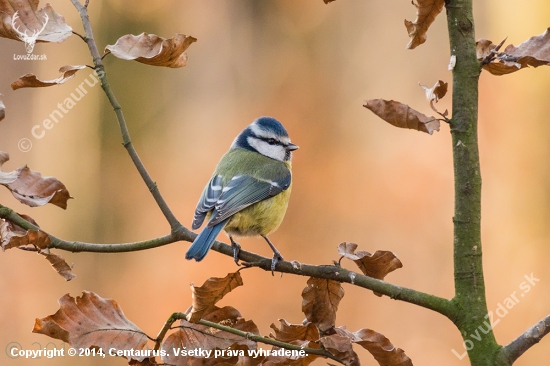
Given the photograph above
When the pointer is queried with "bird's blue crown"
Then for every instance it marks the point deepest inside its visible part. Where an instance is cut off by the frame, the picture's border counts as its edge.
(268, 125)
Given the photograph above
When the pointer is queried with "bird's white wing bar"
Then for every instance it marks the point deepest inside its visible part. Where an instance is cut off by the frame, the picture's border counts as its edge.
(243, 191)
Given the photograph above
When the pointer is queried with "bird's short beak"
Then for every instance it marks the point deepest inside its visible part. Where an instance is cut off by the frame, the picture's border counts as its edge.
(291, 147)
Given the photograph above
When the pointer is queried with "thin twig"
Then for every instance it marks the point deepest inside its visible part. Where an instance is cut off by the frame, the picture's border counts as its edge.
(532, 336)
(80, 35)
(494, 52)
(126, 141)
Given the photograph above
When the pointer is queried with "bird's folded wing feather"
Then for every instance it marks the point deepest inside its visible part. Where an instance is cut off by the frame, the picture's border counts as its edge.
(244, 190)
(209, 197)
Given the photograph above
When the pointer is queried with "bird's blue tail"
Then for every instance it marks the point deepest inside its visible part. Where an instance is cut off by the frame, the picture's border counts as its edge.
(204, 241)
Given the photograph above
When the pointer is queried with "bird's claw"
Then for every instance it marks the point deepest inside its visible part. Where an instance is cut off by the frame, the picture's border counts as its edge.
(236, 251)
(276, 258)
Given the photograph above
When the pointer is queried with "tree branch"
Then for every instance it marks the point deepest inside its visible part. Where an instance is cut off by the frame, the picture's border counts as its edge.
(77, 246)
(532, 336)
(329, 272)
(175, 225)
(469, 299)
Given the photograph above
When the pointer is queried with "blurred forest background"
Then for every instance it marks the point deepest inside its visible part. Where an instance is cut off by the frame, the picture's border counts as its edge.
(356, 178)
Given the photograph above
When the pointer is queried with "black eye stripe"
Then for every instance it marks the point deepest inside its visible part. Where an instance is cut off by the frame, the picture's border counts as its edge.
(270, 140)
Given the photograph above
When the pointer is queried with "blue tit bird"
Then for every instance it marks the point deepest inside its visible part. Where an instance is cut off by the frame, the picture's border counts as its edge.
(249, 191)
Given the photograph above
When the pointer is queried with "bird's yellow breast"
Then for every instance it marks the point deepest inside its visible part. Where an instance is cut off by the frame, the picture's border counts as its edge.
(261, 218)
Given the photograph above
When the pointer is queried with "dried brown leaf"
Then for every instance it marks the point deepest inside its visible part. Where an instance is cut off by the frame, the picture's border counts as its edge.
(292, 332)
(151, 49)
(29, 20)
(381, 348)
(6, 177)
(340, 346)
(31, 81)
(212, 291)
(285, 360)
(426, 12)
(146, 362)
(484, 48)
(91, 321)
(533, 52)
(376, 265)
(13, 236)
(58, 263)
(196, 336)
(31, 188)
(436, 92)
(401, 115)
(320, 301)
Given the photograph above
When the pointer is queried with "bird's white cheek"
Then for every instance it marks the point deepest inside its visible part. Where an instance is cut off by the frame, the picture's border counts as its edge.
(273, 151)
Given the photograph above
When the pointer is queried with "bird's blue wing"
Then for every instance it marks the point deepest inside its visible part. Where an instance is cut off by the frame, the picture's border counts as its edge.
(244, 190)
(208, 200)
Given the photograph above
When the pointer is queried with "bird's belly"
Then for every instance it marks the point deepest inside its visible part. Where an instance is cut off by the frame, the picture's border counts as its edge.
(261, 218)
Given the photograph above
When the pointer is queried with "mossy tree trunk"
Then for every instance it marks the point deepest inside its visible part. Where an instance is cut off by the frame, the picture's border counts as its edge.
(469, 300)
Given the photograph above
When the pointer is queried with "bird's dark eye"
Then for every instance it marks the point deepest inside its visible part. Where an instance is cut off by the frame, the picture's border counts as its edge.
(271, 141)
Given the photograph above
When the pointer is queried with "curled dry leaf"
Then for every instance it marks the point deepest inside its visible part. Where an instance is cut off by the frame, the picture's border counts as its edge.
(13, 236)
(341, 347)
(91, 321)
(31, 188)
(58, 263)
(533, 52)
(376, 265)
(30, 20)
(31, 81)
(212, 291)
(279, 360)
(292, 332)
(320, 300)
(436, 92)
(401, 115)
(151, 49)
(381, 348)
(426, 12)
(191, 336)
(303, 335)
